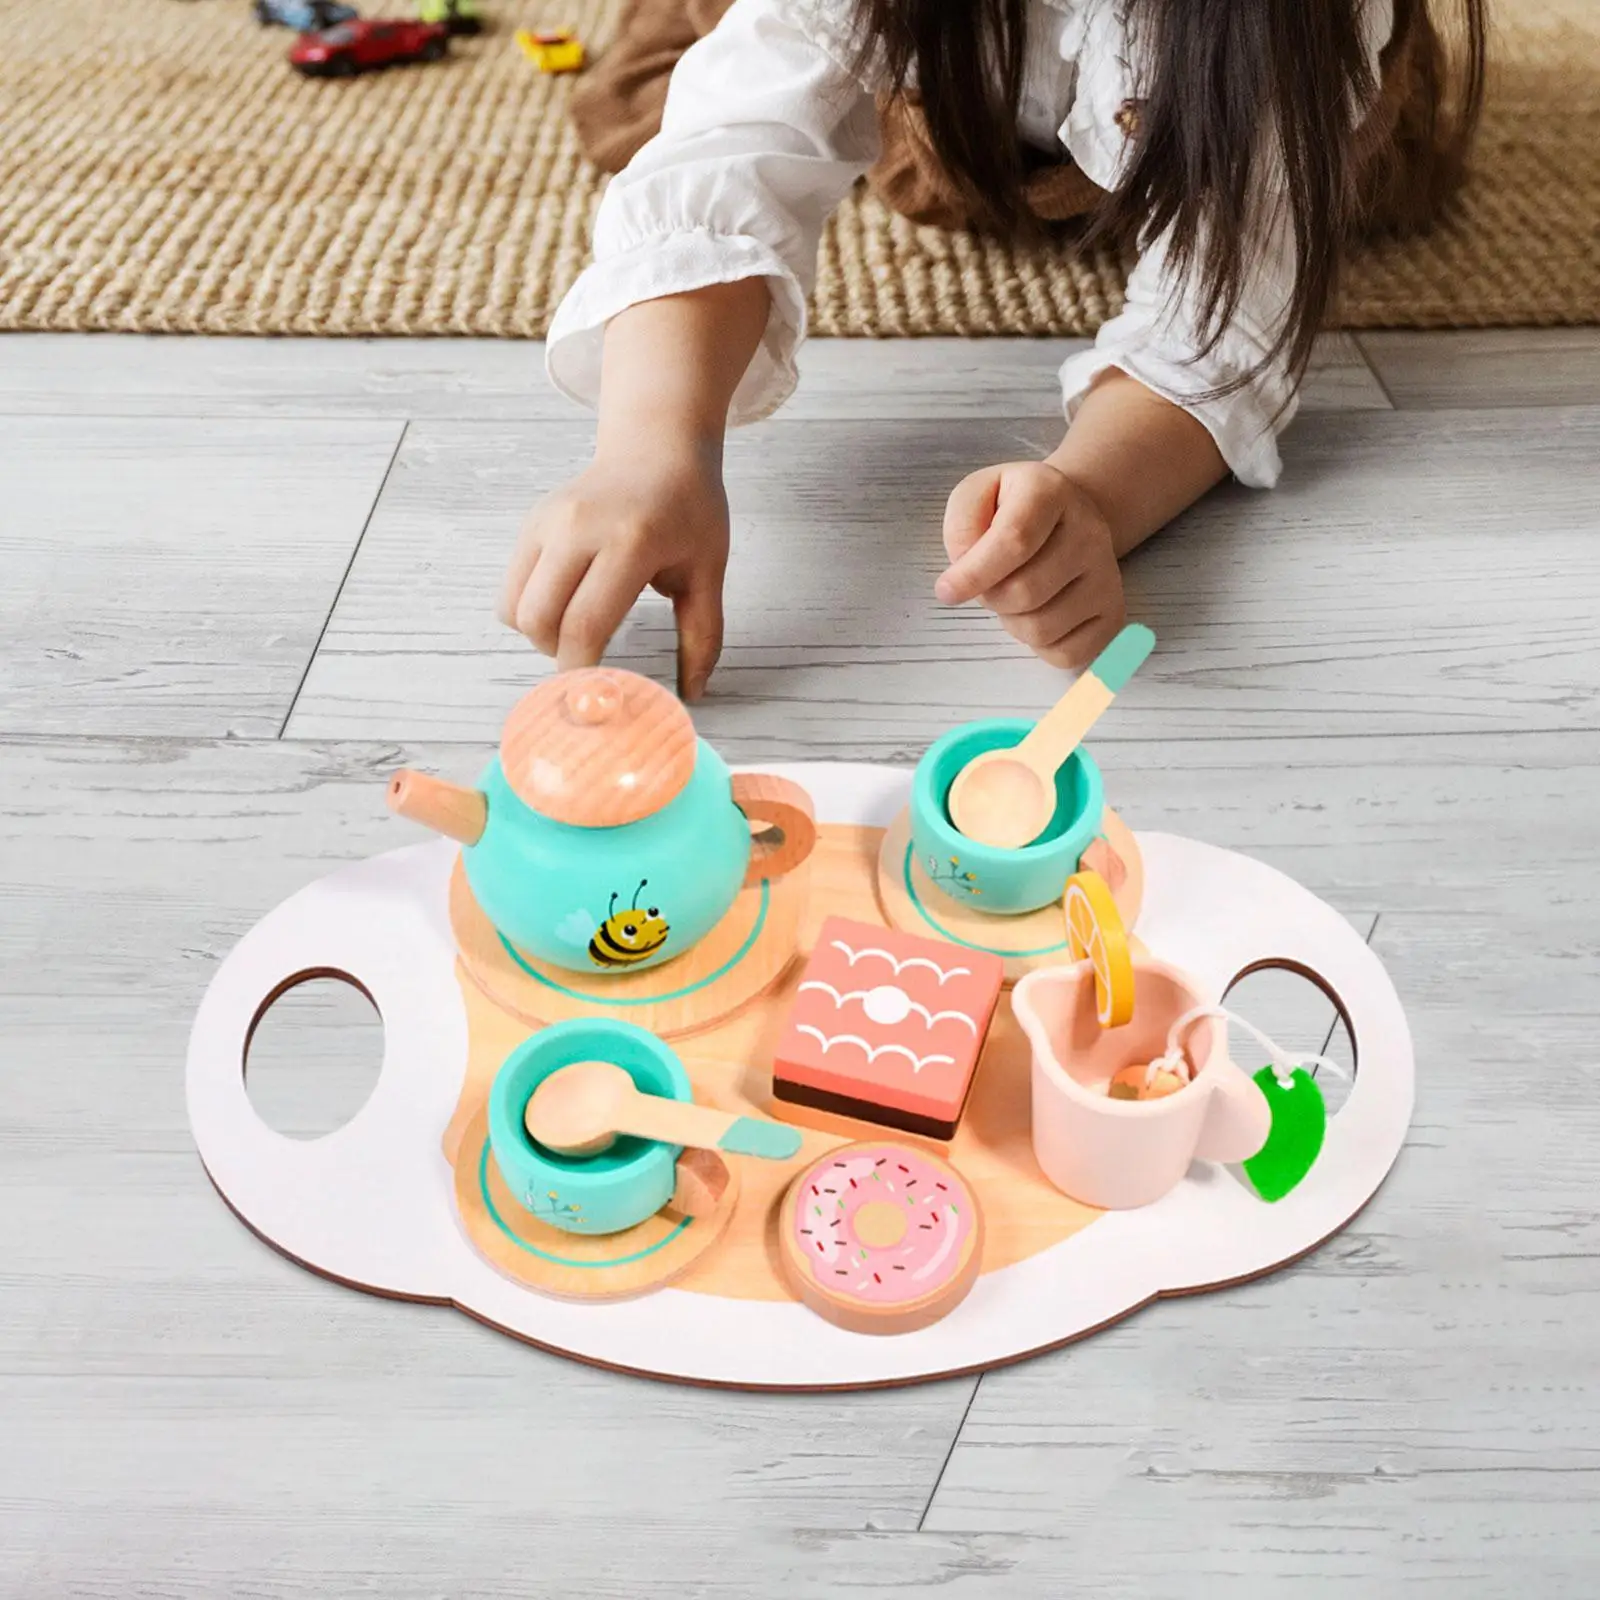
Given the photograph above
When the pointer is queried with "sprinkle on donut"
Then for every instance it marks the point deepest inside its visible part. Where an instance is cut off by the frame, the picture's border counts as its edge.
(882, 1237)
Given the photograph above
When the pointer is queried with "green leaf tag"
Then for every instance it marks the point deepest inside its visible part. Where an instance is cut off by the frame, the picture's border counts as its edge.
(1299, 1125)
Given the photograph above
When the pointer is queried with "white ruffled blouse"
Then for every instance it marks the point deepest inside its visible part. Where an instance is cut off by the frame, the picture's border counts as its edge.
(767, 127)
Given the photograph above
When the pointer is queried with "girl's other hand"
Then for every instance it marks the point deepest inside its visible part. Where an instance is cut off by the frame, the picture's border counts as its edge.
(653, 515)
(1035, 547)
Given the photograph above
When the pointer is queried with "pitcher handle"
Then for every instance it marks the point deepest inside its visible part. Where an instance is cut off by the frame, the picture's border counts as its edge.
(1238, 1118)
(779, 803)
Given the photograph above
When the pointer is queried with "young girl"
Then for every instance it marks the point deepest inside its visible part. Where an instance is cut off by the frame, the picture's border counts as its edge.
(1240, 143)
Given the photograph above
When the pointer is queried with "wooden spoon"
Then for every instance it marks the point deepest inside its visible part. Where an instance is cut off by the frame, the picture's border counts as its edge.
(1006, 798)
(579, 1110)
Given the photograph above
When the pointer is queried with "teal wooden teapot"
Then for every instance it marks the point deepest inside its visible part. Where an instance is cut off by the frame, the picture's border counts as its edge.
(606, 836)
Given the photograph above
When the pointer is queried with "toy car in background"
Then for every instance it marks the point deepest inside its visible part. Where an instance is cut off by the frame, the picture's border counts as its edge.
(367, 46)
(559, 50)
(459, 16)
(304, 16)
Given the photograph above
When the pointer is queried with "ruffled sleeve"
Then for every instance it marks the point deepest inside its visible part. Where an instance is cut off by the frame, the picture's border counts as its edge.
(765, 130)
(1156, 336)
(1156, 340)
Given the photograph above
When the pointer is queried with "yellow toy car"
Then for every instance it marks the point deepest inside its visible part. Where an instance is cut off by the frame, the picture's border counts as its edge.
(558, 51)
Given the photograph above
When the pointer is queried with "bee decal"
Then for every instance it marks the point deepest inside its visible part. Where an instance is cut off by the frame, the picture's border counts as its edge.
(628, 936)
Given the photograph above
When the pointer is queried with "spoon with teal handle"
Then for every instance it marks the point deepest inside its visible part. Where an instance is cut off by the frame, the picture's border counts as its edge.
(1006, 798)
(581, 1109)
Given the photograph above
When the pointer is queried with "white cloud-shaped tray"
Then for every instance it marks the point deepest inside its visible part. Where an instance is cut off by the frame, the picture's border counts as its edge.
(372, 1203)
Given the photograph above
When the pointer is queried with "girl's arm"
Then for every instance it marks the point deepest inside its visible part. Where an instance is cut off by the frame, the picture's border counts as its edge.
(688, 319)
(1038, 542)
(649, 510)
(1156, 419)
(1158, 411)
(1140, 458)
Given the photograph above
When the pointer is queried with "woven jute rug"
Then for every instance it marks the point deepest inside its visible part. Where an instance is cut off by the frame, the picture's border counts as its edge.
(163, 170)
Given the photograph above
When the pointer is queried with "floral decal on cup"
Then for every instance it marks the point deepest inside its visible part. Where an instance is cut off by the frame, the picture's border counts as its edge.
(553, 1206)
(953, 879)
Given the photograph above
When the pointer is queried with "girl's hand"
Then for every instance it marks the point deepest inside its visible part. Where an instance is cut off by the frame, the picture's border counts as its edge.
(651, 508)
(1036, 548)
(654, 514)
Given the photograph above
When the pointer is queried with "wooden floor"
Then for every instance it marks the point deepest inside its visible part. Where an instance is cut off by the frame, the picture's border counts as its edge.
(239, 582)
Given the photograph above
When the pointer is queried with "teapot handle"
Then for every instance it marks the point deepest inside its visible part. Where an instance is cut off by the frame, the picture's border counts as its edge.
(1116, 856)
(702, 1178)
(779, 803)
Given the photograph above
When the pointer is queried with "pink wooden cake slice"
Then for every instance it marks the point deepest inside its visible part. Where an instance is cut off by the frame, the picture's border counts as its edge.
(887, 1027)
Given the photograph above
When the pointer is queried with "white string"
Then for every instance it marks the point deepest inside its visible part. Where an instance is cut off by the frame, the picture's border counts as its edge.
(1283, 1064)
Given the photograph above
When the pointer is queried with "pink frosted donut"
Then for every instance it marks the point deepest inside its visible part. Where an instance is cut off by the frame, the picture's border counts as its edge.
(882, 1237)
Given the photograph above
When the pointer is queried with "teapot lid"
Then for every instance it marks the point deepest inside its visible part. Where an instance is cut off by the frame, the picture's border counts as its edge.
(598, 747)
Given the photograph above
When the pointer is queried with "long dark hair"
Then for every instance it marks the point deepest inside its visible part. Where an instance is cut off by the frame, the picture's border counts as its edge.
(1221, 76)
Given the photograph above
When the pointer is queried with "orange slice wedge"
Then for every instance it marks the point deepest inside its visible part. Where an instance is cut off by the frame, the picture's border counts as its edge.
(1095, 934)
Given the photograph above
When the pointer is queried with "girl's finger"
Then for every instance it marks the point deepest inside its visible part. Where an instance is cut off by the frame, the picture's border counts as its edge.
(523, 560)
(544, 601)
(595, 611)
(969, 511)
(1025, 516)
(1077, 649)
(1038, 580)
(698, 611)
(1056, 619)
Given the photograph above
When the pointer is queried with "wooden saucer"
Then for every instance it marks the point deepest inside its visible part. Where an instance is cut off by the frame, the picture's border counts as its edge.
(576, 1266)
(912, 902)
(742, 957)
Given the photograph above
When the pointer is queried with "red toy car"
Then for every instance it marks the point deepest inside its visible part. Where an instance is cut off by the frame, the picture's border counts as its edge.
(365, 46)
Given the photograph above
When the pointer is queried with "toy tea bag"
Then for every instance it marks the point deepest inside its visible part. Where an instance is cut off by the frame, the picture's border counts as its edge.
(1299, 1113)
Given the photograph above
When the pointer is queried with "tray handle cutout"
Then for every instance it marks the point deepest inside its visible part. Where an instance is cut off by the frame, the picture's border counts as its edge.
(358, 1203)
(1275, 1021)
(317, 1063)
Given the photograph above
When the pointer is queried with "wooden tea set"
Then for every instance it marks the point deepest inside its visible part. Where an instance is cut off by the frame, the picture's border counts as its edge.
(680, 1061)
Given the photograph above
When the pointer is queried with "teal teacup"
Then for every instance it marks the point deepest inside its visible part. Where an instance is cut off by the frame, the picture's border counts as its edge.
(1004, 882)
(604, 1193)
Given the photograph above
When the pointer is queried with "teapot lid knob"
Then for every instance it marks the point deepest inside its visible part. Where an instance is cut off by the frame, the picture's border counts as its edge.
(598, 748)
(596, 697)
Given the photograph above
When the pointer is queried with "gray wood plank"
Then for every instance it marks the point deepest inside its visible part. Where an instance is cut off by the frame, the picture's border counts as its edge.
(1413, 572)
(263, 1554)
(1487, 367)
(490, 379)
(158, 374)
(950, 378)
(173, 577)
(187, 1414)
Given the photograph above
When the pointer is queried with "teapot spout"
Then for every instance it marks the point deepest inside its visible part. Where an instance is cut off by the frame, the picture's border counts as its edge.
(447, 808)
